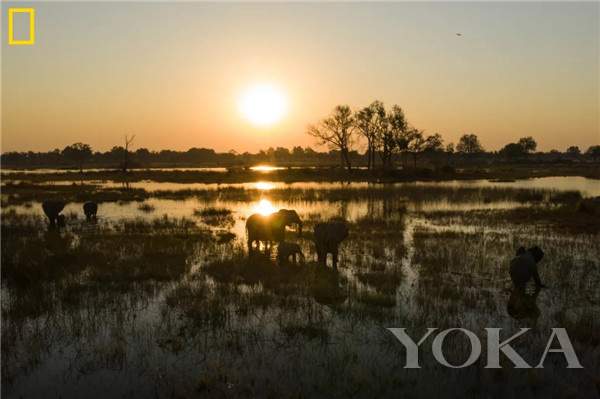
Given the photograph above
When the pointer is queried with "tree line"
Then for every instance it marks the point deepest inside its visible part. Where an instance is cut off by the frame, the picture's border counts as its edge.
(372, 137)
(388, 135)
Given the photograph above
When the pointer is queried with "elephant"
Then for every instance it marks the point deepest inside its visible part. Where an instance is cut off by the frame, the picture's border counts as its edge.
(285, 250)
(270, 228)
(328, 237)
(90, 209)
(524, 267)
(52, 209)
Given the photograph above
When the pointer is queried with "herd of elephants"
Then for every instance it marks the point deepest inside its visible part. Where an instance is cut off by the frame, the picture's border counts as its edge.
(268, 229)
(327, 236)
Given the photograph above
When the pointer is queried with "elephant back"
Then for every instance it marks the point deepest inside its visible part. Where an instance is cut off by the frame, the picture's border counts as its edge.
(331, 232)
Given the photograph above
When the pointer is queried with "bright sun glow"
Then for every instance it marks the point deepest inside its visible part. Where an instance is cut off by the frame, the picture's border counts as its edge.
(264, 185)
(264, 207)
(263, 104)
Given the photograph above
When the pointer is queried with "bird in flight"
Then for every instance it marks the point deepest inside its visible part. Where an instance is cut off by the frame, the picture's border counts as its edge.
(459, 34)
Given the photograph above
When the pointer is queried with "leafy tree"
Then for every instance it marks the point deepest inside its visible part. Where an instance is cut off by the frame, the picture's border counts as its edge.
(573, 151)
(449, 152)
(77, 153)
(528, 144)
(400, 134)
(434, 143)
(415, 144)
(337, 131)
(419, 144)
(469, 144)
(593, 152)
(513, 151)
(366, 121)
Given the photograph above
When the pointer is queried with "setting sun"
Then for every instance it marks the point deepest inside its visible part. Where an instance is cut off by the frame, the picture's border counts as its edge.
(263, 104)
(264, 207)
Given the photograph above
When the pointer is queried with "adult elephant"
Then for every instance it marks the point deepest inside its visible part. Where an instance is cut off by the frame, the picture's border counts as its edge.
(270, 228)
(90, 209)
(52, 209)
(328, 236)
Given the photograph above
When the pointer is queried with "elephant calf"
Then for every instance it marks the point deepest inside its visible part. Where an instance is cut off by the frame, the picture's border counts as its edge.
(90, 209)
(328, 237)
(52, 209)
(285, 250)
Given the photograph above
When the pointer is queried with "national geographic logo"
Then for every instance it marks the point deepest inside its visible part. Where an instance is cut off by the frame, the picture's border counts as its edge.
(29, 39)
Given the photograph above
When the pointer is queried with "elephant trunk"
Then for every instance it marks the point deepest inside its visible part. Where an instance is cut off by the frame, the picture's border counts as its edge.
(299, 229)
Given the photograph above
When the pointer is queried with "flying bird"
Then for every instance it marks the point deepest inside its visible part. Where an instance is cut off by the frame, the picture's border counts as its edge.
(459, 34)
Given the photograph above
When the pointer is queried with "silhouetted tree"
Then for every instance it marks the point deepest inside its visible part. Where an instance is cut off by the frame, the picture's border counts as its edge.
(593, 152)
(77, 153)
(393, 134)
(573, 151)
(469, 144)
(128, 141)
(337, 132)
(528, 144)
(512, 151)
(419, 144)
(449, 152)
(366, 124)
(434, 143)
(415, 144)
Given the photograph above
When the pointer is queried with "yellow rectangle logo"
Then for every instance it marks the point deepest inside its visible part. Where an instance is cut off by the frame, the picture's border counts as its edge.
(11, 37)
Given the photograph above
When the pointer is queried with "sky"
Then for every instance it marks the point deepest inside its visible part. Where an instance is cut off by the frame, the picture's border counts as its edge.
(173, 73)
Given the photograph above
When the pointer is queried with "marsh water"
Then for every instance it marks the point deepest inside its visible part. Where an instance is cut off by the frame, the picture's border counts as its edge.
(160, 298)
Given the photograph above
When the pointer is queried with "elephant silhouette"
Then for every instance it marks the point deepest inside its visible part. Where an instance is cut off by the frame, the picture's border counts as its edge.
(328, 236)
(90, 209)
(524, 267)
(285, 250)
(270, 228)
(52, 209)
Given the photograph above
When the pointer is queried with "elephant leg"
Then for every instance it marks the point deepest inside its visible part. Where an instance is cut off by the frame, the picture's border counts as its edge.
(323, 258)
(249, 245)
(334, 255)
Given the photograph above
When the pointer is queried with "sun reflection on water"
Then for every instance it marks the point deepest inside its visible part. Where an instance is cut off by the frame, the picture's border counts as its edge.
(264, 185)
(266, 168)
(264, 207)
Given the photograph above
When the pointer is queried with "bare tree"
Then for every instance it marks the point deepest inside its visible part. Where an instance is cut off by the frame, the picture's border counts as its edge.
(128, 141)
(337, 132)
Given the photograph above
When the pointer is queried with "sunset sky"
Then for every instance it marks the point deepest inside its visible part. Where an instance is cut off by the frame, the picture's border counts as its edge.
(175, 74)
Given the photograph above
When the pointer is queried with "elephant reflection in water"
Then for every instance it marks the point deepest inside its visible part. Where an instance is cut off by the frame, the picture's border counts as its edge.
(328, 236)
(523, 305)
(270, 228)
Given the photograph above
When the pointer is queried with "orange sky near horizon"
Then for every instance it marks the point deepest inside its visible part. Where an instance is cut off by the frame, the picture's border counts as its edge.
(173, 74)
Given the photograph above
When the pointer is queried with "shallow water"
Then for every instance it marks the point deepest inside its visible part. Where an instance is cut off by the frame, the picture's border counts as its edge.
(252, 340)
